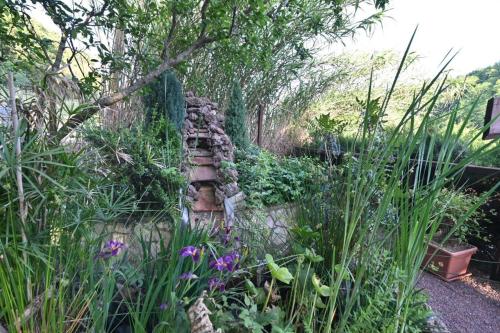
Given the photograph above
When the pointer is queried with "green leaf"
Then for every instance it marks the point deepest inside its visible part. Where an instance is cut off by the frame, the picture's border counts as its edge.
(319, 303)
(319, 287)
(283, 275)
(279, 273)
(250, 287)
(312, 256)
(338, 270)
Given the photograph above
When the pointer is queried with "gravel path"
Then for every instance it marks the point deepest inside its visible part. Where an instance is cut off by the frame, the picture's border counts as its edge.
(469, 305)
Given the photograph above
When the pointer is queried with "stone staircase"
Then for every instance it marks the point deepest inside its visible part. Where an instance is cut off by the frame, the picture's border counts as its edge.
(213, 184)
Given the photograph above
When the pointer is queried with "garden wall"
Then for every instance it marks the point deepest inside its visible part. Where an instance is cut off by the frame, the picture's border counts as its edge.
(268, 226)
(271, 223)
(131, 235)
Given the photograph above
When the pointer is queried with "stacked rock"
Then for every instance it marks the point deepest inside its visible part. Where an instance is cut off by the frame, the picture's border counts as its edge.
(208, 158)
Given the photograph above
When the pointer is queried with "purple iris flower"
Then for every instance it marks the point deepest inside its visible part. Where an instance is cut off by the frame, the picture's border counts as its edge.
(191, 251)
(114, 247)
(188, 276)
(163, 306)
(232, 261)
(228, 262)
(234, 255)
(216, 283)
(231, 264)
(111, 249)
(218, 264)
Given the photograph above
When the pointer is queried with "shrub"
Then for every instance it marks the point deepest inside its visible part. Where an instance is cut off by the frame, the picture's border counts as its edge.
(236, 118)
(146, 159)
(269, 180)
(454, 205)
(165, 98)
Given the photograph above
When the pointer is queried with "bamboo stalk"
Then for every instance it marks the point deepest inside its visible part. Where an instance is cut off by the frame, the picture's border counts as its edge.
(23, 211)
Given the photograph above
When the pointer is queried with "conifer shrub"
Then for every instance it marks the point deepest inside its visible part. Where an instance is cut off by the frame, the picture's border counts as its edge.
(236, 118)
(165, 98)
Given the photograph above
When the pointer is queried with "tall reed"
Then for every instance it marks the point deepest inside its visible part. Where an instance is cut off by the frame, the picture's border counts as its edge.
(391, 173)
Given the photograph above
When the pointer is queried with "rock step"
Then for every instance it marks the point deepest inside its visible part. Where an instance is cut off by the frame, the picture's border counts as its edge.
(200, 153)
(199, 135)
(206, 201)
(202, 160)
(203, 173)
(195, 130)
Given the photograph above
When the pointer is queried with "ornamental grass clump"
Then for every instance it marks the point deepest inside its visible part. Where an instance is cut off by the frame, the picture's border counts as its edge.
(373, 219)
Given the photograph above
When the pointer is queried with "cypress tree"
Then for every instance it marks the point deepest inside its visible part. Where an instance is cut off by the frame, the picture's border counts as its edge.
(166, 99)
(236, 118)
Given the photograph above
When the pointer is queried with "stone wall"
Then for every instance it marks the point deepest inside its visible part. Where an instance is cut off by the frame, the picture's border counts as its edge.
(208, 157)
(132, 233)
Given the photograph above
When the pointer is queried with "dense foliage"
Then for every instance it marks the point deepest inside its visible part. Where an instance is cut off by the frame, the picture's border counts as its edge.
(268, 179)
(455, 204)
(235, 119)
(151, 37)
(92, 238)
(485, 83)
(339, 107)
(105, 281)
(146, 159)
(165, 99)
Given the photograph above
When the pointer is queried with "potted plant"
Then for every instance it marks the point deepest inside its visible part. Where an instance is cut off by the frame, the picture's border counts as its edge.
(449, 254)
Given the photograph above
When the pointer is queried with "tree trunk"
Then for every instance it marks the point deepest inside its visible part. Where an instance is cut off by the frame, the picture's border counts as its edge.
(112, 116)
(119, 95)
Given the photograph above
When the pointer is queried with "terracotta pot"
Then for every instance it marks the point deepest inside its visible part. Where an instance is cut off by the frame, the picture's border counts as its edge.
(448, 265)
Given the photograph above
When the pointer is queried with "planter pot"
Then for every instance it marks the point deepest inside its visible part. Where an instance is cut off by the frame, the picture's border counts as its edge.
(448, 264)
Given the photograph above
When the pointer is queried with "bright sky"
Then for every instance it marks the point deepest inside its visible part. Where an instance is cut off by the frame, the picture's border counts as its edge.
(469, 26)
